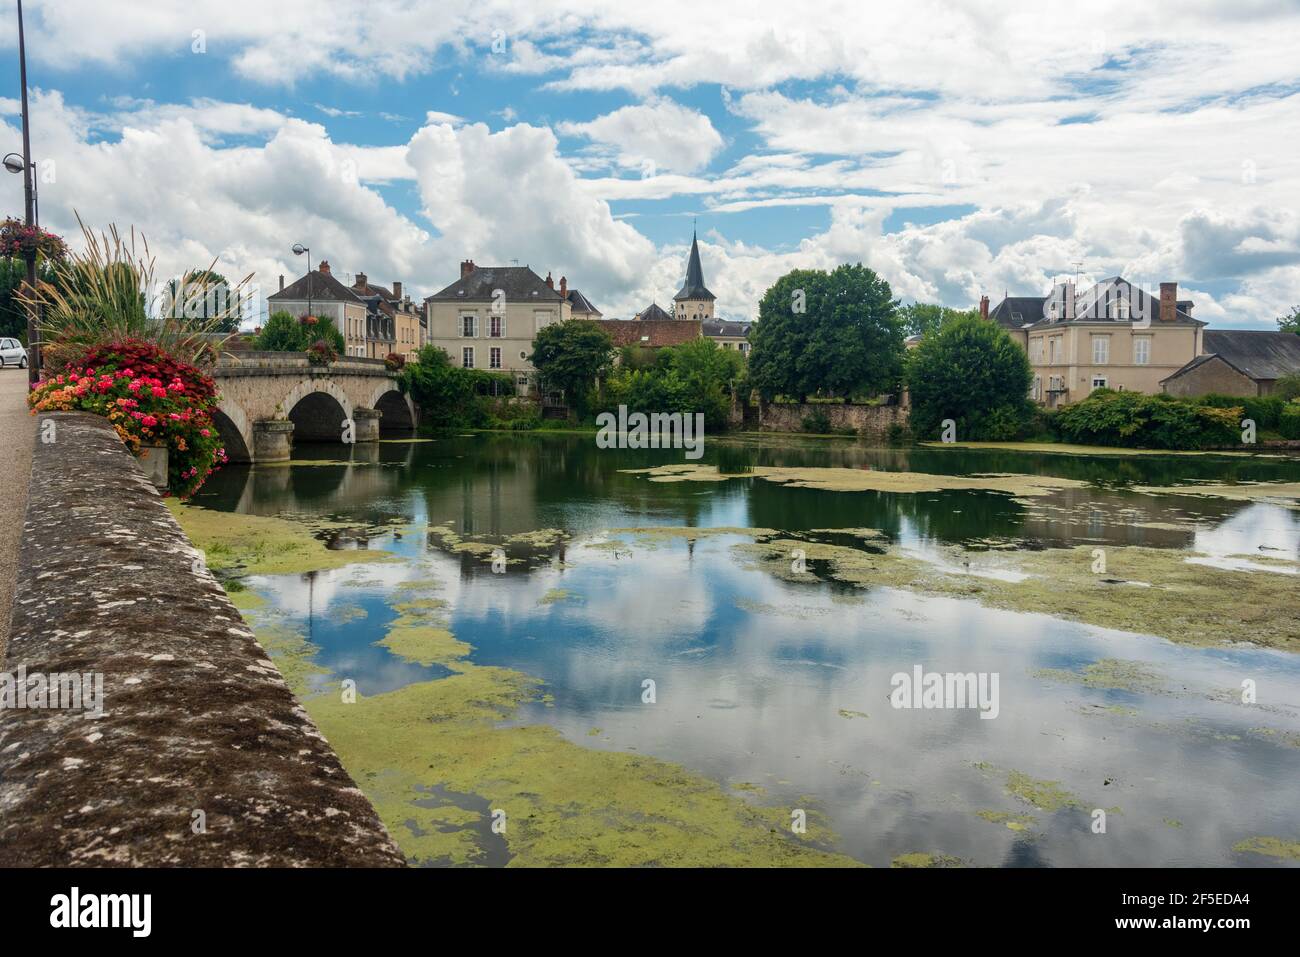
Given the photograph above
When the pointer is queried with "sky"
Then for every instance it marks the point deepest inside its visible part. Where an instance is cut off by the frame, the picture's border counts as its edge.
(958, 149)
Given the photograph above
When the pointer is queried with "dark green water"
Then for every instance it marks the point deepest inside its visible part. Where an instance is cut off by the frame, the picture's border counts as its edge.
(753, 672)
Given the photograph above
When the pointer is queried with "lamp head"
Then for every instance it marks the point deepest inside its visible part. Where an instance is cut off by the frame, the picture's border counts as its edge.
(299, 249)
(14, 163)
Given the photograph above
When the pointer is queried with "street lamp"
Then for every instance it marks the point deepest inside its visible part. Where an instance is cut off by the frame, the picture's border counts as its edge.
(298, 250)
(24, 164)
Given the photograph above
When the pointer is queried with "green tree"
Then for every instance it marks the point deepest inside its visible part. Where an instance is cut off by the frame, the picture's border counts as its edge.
(437, 387)
(13, 314)
(972, 372)
(923, 318)
(837, 333)
(1291, 322)
(571, 356)
(284, 333)
(204, 294)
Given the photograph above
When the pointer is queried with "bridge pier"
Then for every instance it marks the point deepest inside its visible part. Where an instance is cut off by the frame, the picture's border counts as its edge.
(272, 440)
(367, 424)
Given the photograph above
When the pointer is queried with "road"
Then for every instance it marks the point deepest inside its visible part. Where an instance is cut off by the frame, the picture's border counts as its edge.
(17, 436)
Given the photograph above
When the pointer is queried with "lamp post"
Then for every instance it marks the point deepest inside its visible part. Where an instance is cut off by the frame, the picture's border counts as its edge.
(298, 250)
(29, 194)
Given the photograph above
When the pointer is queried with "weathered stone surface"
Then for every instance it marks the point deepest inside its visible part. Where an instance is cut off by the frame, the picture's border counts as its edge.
(195, 716)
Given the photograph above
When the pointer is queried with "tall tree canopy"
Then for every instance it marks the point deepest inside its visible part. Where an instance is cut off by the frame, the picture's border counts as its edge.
(1291, 322)
(972, 372)
(571, 356)
(923, 318)
(837, 333)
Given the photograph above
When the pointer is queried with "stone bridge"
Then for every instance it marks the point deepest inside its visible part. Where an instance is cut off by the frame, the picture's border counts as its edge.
(269, 400)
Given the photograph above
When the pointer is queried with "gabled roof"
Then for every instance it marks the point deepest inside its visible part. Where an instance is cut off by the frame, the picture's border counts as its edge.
(1259, 354)
(726, 328)
(315, 285)
(519, 283)
(1016, 312)
(581, 303)
(654, 313)
(694, 287)
(1020, 312)
(370, 289)
(650, 333)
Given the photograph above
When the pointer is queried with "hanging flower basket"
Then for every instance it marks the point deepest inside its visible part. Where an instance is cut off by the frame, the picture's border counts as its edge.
(17, 239)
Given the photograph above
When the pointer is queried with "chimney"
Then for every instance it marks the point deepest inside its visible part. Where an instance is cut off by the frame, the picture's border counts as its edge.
(1168, 301)
(361, 281)
(564, 286)
(324, 266)
(984, 307)
(282, 282)
(550, 283)
(397, 289)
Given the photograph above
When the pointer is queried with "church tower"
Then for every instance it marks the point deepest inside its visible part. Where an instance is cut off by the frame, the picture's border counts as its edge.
(693, 301)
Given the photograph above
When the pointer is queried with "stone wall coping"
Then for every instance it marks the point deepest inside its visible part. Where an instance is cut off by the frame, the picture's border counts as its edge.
(195, 716)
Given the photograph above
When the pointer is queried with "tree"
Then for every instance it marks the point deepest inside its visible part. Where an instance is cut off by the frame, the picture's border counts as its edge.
(837, 333)
(972, 372)
(923, 318)
(13, 313)
(1290, 323)
(284, 333)
(205, 294)
(571, 356)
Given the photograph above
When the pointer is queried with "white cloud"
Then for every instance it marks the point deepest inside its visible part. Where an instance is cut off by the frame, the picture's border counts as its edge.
(658, 134)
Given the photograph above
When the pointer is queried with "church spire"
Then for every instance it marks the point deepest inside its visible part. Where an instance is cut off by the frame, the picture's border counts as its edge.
(694, 287)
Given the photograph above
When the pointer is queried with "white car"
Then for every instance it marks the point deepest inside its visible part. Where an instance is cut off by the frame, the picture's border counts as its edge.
(12, 353)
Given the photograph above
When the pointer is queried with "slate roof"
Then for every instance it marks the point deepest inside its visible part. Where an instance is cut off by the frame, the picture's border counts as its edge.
(654, 313)
(519, 283)
(581, 303)
(726, 328)
(1261, 355)
(315, 285)
(694, 287)
(651, 333)
(1019, 312)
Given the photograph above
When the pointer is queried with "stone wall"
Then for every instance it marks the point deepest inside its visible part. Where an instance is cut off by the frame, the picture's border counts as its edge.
(870, 421)
(196, 724)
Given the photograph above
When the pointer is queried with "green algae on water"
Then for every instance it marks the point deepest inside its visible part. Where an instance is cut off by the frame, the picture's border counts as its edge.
(1270, 847)
(1044, 795)
(1109, 673)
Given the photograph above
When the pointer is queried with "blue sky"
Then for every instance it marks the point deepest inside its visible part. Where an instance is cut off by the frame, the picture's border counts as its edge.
(959, 149)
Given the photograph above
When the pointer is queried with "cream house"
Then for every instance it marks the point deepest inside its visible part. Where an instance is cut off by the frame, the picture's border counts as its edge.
(319, 293)
(488, 317)
(1114, 336)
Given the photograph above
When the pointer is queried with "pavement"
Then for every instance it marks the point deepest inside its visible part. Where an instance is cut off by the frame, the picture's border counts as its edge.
(17, 437)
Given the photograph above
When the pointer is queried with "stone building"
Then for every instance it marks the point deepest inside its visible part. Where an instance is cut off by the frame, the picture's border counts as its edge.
(1241, 362)
(319, 293)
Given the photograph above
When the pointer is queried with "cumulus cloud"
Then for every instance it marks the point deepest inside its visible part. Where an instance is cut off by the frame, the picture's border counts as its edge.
(661, 133)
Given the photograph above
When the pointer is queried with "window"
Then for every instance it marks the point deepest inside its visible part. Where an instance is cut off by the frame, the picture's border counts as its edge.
(1100, 350)
(467, 357)
(1036, 349)
(542, 318)
(1099, 382)
(494, 357)
(1054, 347)
(468, 328)
(496, 325)
(1121, 306)
(1141, 350)
(1038, 388)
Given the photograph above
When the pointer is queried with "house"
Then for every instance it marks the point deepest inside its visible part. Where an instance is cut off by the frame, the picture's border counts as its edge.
(319, 293)
(580, 307)
(488, 317)
(653, 313)
(393, 321)
(1240, 362)
(650, 333)
(728, 334)
(1115, 335)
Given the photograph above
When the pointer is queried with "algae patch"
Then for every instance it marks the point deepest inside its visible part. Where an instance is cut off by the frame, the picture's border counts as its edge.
(1109, 673)
(1270, 847)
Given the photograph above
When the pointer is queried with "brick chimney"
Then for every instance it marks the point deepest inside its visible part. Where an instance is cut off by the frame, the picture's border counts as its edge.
(361, 282)
(324, 266)
(984, 307)
(564, 286)
(397, 289)
(550, 283)
(282, 282)
(466, 267)
(1168, 301)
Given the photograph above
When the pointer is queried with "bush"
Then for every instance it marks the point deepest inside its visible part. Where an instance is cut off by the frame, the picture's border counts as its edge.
(1265, 410)
(284, 333)
(1289, 421)
(817, 421)
(1287, 387)
(1136, 420)
(150, 398)
(394, 361)
(696, 376)
(322, 353)
(449, 396)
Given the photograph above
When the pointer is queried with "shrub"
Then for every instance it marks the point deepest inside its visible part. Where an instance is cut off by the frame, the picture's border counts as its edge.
(322, 353)
(151, 398)
(1289, 421)
(1287, 387)
(284, 333)
(817, 421)
(394, 361)
(449, 396)
(1136, 420)
(1265, 410)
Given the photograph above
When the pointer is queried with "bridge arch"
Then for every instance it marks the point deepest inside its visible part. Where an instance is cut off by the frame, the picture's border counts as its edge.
(398, 412)
(235, 430)
(318, 408)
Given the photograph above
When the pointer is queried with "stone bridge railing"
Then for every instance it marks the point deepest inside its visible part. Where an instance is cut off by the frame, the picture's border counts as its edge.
(270, 398)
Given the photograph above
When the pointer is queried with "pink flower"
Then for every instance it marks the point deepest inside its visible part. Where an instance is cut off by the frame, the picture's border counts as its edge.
(205, 433)
(159, 393)
(134, 385)
(149, 421)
